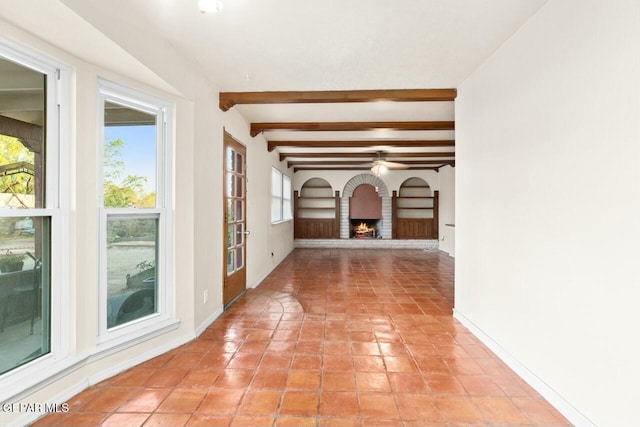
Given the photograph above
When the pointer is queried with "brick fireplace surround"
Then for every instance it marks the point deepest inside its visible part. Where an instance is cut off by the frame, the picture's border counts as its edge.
(383, 191)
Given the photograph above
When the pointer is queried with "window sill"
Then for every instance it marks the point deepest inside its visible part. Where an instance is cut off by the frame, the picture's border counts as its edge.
(133, 335)
(282, 222)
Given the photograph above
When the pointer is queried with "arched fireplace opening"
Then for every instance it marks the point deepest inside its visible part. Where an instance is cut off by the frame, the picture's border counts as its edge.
(365, 213)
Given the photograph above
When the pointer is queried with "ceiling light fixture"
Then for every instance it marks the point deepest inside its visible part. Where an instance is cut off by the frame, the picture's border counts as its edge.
(378, 169)
(207, 6)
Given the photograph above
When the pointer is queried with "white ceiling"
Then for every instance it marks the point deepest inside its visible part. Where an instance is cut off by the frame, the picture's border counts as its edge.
(298, 45)
(258, 45)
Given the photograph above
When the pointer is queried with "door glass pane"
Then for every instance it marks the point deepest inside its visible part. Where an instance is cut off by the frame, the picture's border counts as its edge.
(239, 186)
(129, 164)
(25, 289)
(230, 185)
(132, 256)
(239, 234)
(230, 236)
(239, 163)
(230, 262)
(22, 134)
(230, 159)
(230, 213)
(239, 210)
(239, 258)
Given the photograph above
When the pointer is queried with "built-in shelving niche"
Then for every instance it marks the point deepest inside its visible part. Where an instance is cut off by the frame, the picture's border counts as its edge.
(316, 211)
(415, 211)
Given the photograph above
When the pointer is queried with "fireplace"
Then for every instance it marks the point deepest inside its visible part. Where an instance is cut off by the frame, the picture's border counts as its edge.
(365, 211)
(365, 228)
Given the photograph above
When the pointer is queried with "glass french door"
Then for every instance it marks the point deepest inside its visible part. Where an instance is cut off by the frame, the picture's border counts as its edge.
(235, 230)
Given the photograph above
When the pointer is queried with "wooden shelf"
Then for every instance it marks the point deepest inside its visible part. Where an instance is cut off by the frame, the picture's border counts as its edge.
(315, 186)
(399, 208)
(303, 209)
(416, 186)
(317, 198)
(414, 197)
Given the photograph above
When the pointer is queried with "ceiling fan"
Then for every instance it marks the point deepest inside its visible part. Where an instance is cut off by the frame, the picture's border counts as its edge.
(380, 164)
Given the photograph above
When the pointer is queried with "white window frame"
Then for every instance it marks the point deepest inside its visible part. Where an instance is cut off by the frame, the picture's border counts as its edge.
(57, 204)
(164, 316)
(284, 217)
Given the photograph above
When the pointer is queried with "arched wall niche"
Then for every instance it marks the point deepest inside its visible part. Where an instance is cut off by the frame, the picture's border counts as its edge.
(316, 200)
(416, 181)
(317, 182)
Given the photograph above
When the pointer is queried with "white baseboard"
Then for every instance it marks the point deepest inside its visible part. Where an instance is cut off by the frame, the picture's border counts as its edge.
(204, 325)
(130, 363)
(273, 267)
(565, 408)
(69, 392)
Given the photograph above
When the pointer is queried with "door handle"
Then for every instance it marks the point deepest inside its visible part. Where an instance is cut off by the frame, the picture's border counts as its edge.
(246, 233)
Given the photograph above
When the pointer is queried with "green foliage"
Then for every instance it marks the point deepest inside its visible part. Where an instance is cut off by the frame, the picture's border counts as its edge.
(122, 191)
(11, 258)
(11, 262)
(12, 151)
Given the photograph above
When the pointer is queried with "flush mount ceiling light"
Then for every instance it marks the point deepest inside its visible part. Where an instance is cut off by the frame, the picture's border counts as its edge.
(208, 6)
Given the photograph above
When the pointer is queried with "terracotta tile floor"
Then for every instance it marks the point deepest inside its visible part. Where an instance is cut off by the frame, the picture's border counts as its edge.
(330, 338)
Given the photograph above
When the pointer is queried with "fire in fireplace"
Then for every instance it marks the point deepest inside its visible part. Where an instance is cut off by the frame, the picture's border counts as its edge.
(364, 228)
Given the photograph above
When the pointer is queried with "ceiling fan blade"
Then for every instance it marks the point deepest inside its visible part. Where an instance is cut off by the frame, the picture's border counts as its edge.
(393, 165)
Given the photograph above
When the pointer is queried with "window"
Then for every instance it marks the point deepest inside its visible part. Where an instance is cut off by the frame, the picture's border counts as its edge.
(32, 223)
(135, 285)
(280, 196)
(286, 198)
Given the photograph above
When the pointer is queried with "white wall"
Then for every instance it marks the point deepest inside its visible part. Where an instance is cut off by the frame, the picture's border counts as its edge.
(198, 207)
(265, 239)
(446, 210)
(548, 201)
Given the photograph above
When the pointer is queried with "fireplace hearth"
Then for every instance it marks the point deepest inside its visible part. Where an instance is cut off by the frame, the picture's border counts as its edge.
(364, 228)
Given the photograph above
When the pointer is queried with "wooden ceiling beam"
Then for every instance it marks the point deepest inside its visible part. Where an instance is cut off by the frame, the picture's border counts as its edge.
(367, 155)
(355, 168)
(228, 99)
(296, 163)
(256, 128)
(452, 164)
(271, 145)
